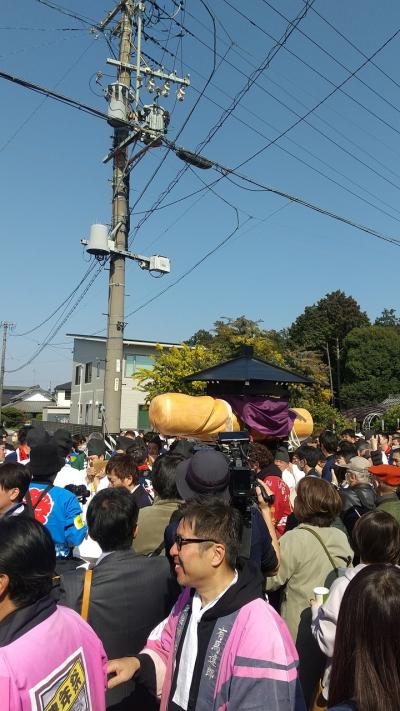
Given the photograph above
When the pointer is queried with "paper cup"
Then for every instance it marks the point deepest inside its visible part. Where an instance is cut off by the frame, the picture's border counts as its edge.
(320, 595)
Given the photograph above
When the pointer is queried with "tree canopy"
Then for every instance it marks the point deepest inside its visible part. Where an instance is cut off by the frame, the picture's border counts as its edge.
(387, 318)
(330, 318)
(371, 357)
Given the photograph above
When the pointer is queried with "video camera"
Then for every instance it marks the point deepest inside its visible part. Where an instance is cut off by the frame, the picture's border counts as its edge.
(80, 491)
(242, 479)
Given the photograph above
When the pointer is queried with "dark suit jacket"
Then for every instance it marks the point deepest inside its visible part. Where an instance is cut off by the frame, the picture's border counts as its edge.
(130, 595)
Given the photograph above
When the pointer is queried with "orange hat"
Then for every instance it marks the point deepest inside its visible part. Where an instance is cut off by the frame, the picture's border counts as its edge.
(388, 473)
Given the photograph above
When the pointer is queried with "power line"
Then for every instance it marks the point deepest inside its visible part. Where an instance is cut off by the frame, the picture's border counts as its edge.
(192, 268)
(320, 172)
(320, 74)
(226, 113)
(226, 171)
(68, 298)
(335, 59)
(213, 70)
(52, 334)
(65, 11)
(269, 79)
(322, 133)
(39, 106)
(54, 95)
(352, 44)
(258, 72)
(322, 101)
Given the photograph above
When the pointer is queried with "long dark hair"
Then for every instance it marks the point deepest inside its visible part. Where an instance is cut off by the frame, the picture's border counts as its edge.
(366, 660)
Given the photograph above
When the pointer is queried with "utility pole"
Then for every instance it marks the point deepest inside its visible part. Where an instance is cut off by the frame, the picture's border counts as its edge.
(147, 124)
(326, 347)
(338, 383)
(7, 326)
(120, 223)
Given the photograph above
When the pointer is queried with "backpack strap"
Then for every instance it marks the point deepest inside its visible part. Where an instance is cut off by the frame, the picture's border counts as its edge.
(87, 584)
(31, 508)
(315, 534)
(157, 551)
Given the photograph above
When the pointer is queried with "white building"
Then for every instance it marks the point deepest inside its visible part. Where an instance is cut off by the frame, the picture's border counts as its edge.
(60, 411)
(87, 390)
(30, 401)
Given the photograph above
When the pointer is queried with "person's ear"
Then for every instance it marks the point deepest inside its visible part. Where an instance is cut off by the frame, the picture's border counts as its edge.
(14, 494)
(4, 583)
(219, 554)
(135, 531)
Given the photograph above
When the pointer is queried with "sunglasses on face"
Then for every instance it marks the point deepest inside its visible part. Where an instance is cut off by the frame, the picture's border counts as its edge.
(180, 541)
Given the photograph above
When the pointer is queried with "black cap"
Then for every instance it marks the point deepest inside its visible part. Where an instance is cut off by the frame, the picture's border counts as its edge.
(206, 473)
(96, 446)
(45, 461)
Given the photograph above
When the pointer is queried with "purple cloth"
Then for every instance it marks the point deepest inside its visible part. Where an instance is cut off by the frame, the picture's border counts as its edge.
(266, 415)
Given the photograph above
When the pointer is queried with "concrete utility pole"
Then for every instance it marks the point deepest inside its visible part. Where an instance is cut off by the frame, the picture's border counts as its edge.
(338, 381)
(120, 223)
(6, 327)
(146, 124)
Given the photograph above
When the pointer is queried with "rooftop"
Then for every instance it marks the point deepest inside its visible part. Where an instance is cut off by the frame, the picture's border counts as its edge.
(127, 341)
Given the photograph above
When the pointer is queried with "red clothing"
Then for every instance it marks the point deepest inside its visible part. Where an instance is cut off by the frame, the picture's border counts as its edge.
(281, 508)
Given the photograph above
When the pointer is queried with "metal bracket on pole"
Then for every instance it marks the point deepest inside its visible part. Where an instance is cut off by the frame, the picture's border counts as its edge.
(148, 71)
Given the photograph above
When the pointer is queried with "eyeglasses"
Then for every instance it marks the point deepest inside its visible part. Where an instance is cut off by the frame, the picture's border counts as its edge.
(180, 541)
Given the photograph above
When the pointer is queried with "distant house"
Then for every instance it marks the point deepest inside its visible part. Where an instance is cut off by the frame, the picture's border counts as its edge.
(87, 393)
(11, 391)
(60, 411)
(31, 401)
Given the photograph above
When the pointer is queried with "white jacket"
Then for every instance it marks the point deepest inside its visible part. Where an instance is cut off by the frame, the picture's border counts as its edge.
(323, 625)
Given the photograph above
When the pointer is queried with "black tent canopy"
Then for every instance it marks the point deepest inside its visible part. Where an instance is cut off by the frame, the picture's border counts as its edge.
(248, 375)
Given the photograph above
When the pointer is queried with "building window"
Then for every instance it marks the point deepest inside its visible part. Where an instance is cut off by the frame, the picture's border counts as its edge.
(80, 412)
(88, 373)
(67, 395)
(133, 362)
(87, 412)
(99, 410)
(77, 374)
(143, 422)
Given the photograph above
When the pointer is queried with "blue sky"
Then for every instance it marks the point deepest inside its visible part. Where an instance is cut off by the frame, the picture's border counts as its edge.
(283, 257)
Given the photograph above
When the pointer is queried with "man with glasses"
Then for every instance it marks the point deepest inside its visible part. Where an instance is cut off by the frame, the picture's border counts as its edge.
(223, 645)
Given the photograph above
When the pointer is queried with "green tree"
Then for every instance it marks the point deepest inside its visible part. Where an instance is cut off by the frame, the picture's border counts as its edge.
(229, 334)
(12, 417)
(171, 365)
(203, 350)
(332, 317)
(387, 318)
(392, 417)
(371, 358)
(324, 326)
(326, 416)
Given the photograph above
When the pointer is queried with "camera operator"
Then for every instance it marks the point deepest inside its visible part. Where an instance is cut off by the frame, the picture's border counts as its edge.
(207, 473)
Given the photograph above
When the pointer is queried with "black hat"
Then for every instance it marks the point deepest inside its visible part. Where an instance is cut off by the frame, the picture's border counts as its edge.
(36, 436)
(282, 455)
(45, 461)
(271, 470)
(207, 472)
(96, 446)
(182, 447)
(63, 439)
(125, 442)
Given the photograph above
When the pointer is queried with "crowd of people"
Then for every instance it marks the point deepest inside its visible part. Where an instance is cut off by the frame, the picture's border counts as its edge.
(131, 579)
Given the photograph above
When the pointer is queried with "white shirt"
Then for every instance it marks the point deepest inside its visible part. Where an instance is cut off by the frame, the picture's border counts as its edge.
(189, 648)
(68, 475)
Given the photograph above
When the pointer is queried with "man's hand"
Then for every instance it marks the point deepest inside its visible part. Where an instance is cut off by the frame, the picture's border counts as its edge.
(123, 670)
(262, 505)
